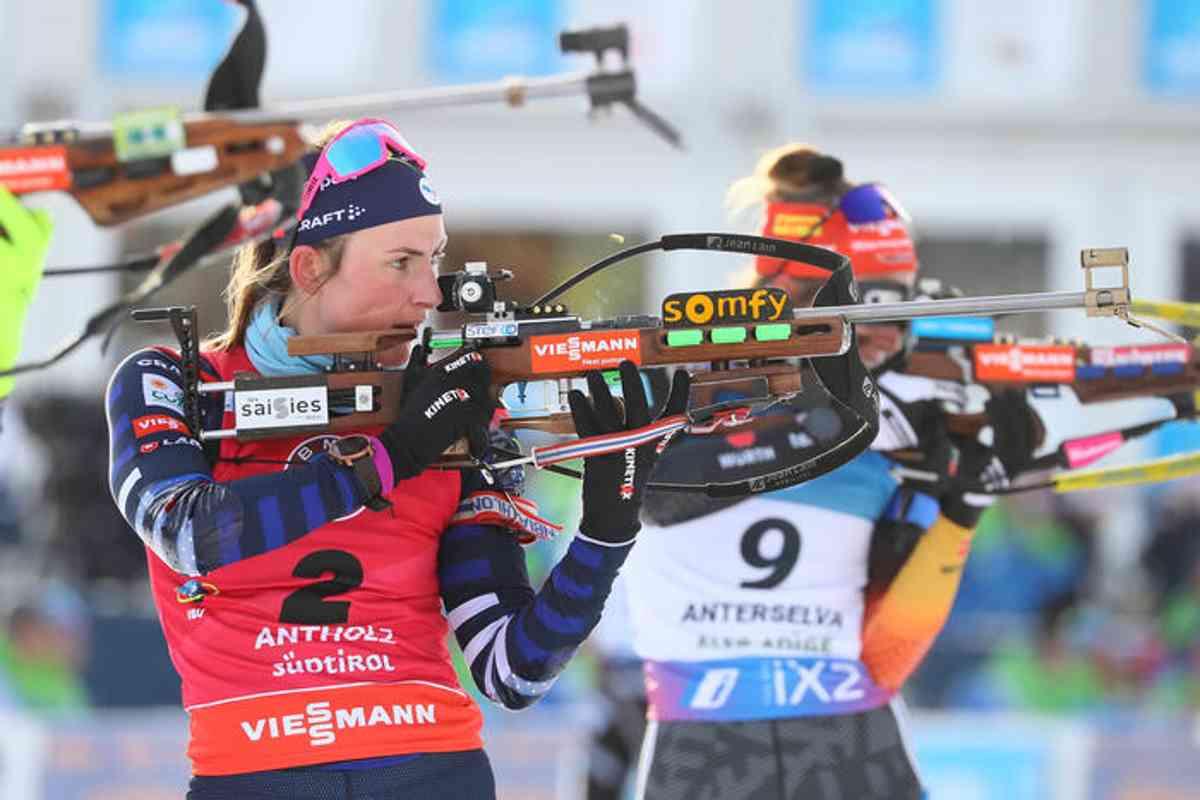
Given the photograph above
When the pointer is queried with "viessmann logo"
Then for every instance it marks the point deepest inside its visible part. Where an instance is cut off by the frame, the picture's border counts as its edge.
(320, 722)
(35, 168)
(999, 363)
(588, 350)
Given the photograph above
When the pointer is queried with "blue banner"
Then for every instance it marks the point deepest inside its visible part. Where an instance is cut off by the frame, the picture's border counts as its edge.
(969, 329)
(1171, 47)
(164, 40)
(485, 40)
(872, 47)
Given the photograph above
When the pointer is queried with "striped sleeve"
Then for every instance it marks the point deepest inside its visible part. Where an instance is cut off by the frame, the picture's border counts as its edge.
(162, 481)
(516, 641)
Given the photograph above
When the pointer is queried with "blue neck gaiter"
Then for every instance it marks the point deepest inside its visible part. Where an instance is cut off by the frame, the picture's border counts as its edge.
(266, 345)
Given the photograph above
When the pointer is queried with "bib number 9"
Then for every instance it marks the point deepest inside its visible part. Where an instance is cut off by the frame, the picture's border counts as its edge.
(782, 563)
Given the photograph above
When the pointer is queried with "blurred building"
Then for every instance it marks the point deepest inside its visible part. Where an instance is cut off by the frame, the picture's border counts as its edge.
(1016, 134)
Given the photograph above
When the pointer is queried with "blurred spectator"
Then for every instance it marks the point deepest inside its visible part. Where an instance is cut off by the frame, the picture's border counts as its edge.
(1173, 550)
(1031, 553)
(1044, 674)
(42, 649)
(79, 530)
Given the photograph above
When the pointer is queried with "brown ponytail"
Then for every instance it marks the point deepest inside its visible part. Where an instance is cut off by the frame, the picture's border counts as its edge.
(261, 270)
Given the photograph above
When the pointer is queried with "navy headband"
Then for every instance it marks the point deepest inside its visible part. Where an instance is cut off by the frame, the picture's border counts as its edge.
(395, 190)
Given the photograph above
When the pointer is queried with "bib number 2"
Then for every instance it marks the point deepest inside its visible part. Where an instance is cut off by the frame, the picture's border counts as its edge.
(309, 605)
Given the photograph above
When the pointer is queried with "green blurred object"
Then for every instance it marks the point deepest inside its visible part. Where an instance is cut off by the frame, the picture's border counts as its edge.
(776, 332)
(685, 338)
(728, 335)
(150, 133)
(1069, 682)
(40, 684)
(23, 246)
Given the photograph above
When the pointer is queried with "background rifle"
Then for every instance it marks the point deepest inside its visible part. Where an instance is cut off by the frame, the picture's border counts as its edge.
(147, 161)
(1168, 371)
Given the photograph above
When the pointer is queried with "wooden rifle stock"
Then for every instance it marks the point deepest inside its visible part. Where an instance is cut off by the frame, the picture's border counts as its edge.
(1092, 383)
(355, 367)
(219, 153)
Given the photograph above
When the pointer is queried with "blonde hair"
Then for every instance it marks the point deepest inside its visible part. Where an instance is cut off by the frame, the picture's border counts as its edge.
(790, 171)
(260, 272)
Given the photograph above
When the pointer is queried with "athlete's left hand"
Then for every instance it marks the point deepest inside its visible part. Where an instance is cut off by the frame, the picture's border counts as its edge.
(613, 483)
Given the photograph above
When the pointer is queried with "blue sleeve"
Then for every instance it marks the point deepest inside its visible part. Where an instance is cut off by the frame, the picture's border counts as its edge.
(517, 641)
(162, 480)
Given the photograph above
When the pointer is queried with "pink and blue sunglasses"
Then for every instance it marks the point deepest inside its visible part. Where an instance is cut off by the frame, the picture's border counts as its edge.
(364, 146)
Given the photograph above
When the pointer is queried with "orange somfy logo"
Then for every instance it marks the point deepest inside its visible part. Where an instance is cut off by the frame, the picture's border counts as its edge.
(737, 305)
(1023, 362)
(569, 352)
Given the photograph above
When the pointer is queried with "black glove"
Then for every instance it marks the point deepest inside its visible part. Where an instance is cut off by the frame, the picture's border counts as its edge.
(960, 472)
(443, 402)
(985, 468)
(613, 483)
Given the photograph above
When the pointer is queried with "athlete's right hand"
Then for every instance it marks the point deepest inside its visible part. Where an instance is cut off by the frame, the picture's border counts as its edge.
(964, 474)
(613, 483)
(443, 402)
(24, 239)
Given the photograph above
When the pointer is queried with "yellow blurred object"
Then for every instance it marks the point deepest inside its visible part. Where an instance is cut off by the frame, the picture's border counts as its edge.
(1170, 310)
(1160, 469)
(616, 237)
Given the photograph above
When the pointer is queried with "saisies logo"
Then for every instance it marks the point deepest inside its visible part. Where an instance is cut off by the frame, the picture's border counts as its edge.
(281, 408)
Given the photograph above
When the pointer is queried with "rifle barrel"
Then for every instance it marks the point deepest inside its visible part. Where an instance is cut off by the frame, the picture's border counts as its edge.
(513, 91)
(955, 307)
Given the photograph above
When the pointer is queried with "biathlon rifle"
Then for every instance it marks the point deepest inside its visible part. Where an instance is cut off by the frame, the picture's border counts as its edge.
(975, 355)
(147, 161)
(748, 352)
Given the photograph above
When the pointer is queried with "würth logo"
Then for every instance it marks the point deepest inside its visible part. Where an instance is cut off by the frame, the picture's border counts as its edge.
(454, 395)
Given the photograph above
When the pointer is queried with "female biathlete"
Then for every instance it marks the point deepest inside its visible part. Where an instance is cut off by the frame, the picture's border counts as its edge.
(301, 581)
(777, 630)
